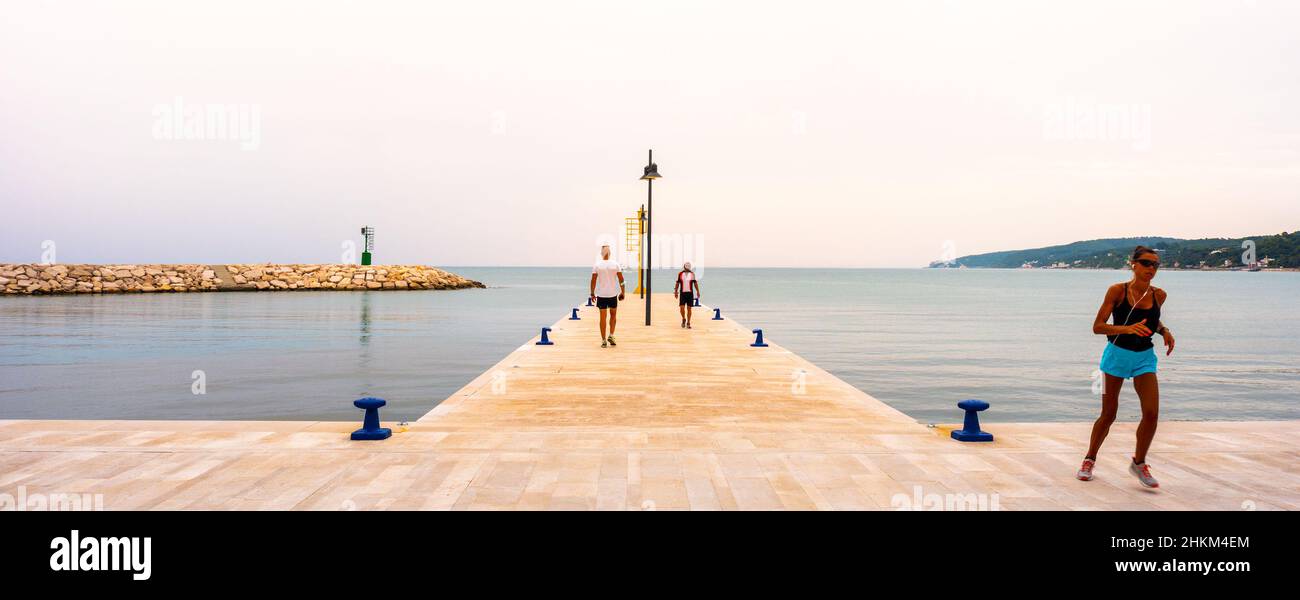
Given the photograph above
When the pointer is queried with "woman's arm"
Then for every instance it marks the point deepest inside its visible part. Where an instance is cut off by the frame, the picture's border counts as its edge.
(1161, 328)
(1160, 298)
(1099, 325)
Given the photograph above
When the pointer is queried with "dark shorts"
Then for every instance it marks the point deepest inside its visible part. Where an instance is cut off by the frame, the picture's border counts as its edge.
(687, 298)
(610, 302)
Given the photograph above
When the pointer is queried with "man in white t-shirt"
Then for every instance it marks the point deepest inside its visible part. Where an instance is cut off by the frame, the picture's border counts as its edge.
(606, 291)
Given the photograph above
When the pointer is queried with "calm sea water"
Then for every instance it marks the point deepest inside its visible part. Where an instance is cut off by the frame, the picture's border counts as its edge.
(920, 340)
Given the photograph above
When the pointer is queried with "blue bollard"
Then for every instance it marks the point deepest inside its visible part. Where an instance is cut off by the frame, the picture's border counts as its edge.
(370, 429)
(589, 301)
(697, 303)
(575, 316)
(717, 314)
(970, 431)
(545, 341)
(758, 342)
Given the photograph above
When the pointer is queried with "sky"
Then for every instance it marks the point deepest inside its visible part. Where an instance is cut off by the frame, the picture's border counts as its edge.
(794, 134)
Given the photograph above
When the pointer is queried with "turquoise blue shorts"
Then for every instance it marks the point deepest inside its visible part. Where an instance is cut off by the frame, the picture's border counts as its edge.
(1127, 363)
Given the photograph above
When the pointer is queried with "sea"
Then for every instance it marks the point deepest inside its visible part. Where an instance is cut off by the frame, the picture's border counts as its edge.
(920, 340)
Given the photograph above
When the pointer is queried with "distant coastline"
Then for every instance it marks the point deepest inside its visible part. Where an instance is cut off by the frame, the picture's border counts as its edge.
(1163, 268)
(1279, 252)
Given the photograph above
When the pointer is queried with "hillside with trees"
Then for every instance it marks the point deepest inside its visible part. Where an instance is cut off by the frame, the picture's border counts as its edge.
(1271, 251)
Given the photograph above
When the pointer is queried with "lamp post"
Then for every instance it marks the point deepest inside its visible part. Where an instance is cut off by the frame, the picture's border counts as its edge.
(650, 174)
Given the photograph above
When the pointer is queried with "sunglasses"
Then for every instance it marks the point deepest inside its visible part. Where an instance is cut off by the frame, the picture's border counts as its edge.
(1146, 262)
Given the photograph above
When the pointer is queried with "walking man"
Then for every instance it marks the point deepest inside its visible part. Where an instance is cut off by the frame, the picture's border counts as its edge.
(689, 288)
(607, 289)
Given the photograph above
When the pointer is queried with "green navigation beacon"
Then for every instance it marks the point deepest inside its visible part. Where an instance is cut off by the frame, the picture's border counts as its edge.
(368, 234)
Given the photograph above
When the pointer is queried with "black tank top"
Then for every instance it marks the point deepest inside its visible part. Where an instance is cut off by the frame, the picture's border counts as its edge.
(1130, 341)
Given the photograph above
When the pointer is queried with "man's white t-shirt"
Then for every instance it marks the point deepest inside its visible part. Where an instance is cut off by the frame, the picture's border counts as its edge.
(606, 272)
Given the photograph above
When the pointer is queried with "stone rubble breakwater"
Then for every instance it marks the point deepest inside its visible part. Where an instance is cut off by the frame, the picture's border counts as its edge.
(30, 279)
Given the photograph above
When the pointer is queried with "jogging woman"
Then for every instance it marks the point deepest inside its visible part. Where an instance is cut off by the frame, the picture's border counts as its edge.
(1130, 354)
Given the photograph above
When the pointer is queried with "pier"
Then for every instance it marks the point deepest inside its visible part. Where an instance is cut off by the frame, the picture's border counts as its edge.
(668, 419)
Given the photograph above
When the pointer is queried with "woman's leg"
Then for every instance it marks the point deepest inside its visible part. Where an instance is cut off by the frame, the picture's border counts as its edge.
(1109, 408)
(1148, 390)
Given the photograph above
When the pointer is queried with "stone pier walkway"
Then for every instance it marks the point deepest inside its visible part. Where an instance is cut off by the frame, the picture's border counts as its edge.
(669, 419)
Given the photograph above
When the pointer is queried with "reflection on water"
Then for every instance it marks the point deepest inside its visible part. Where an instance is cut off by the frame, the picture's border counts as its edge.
(365, 338)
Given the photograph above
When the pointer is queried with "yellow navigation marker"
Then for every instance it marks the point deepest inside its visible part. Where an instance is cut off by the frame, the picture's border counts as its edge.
(634, 230)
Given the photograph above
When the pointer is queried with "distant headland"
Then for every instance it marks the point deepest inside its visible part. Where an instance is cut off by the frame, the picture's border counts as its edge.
(1261, 252)
(38, 279)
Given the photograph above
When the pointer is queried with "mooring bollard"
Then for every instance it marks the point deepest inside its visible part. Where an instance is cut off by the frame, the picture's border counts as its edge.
(717, 314)
(370, 429)
(545, 341)
(758, 342)
(589, 301)
(970, 431)
(575, 316)
(697, 303)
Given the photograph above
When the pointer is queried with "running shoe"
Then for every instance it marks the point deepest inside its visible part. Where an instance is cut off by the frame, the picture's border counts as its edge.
(1085, 470)
(611, 341)
(683, 323)
(604, 344)
(1143, 473)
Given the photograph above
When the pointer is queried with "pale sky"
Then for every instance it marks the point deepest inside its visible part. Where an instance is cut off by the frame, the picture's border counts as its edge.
(788, 134)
